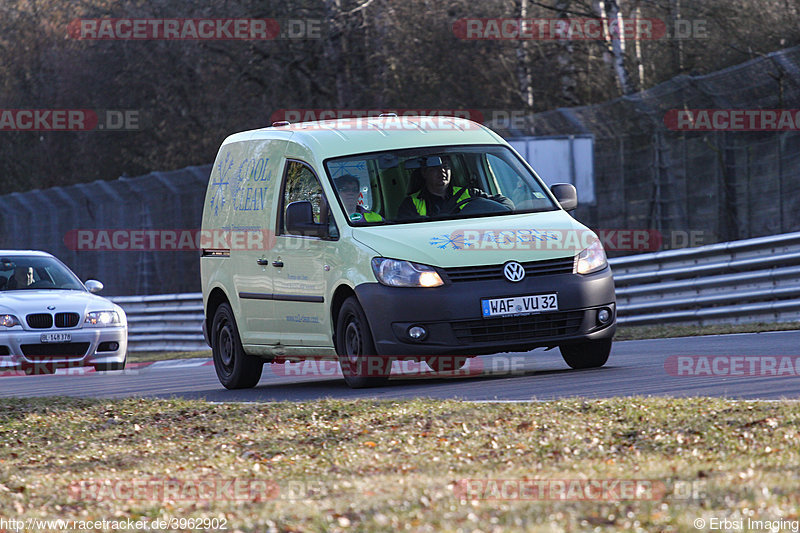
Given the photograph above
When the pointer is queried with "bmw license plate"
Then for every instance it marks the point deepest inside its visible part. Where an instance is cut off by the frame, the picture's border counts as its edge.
(56, 337)
(519, 305)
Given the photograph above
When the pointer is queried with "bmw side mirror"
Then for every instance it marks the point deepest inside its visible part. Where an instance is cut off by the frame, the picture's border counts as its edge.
(93, 286)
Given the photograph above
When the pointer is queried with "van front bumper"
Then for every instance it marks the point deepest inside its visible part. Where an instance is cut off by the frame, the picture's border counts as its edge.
(451, 315)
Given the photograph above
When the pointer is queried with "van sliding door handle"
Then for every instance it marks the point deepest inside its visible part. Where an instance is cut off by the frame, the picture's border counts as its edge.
(262, 261)
(278, 263)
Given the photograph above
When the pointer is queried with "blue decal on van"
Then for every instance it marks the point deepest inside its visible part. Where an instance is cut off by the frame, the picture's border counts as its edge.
(455, 240)
(258, 169)
(347, 167)
(251, 199)
(493, 239)
(219, 186)
(235, 189)
(302, 318)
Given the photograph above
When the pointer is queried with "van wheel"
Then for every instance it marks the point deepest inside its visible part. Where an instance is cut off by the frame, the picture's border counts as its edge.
(446, 363)
(589, 354)
(361, 366)
(235, 369)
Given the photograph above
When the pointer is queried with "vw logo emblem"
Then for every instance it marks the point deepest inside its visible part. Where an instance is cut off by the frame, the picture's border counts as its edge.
(513, 271)
(51, 307)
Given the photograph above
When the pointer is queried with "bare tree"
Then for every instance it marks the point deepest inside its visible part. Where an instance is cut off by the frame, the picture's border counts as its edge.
(615, 41)
(374, 53)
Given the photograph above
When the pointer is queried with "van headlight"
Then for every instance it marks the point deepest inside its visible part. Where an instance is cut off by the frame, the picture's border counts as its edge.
(591, 259)
(101, 318)
(395, 273)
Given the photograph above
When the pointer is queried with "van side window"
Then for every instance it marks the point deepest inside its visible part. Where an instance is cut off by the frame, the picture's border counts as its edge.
(301, 184)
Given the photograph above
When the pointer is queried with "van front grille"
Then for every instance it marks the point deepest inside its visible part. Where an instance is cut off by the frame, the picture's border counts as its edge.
(518, 328)
(495, 272)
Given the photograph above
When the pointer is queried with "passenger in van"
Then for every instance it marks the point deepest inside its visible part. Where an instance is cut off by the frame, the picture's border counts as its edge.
(437, 195)
(348, 188)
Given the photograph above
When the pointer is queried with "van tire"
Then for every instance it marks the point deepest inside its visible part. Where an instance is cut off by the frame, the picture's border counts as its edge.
(235, 369)
(360, 364)
(589, 354)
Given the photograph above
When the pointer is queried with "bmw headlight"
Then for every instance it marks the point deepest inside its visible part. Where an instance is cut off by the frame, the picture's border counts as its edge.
(8, 321)
(591, 259)
(395, 273)
(102, 318)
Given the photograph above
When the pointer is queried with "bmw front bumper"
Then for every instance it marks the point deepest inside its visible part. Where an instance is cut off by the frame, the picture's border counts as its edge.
(21, 348)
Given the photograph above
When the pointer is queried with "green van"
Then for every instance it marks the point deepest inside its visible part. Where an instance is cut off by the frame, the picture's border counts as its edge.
(393, 238)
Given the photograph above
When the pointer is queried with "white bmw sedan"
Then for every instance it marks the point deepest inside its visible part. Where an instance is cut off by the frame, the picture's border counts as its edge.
(49, 319)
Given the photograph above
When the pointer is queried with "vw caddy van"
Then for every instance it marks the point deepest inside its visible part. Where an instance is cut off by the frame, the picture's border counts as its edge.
(390, 238)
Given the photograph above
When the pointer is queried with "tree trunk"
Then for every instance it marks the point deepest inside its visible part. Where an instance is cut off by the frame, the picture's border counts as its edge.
(677, 44)
(524, 77)
(615, 43)
(566, 61)
(637, 46)
(335, 51)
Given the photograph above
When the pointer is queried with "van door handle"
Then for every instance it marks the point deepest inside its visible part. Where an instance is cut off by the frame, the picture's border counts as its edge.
(262, 261)
(277, 263)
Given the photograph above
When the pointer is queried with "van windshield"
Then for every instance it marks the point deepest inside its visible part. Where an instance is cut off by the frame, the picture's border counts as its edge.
(435, 183)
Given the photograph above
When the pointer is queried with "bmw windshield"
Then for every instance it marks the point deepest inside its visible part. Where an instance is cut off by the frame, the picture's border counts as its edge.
(36, 272)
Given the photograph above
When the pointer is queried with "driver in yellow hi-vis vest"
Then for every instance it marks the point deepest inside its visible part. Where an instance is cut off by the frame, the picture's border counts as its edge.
(348, 188)
(438, 196)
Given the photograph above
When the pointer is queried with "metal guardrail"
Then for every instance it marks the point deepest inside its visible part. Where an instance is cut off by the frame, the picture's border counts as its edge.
(753, 280)
(164, 322)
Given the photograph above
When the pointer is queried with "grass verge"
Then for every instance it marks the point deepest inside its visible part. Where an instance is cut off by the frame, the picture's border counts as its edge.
(386, 466)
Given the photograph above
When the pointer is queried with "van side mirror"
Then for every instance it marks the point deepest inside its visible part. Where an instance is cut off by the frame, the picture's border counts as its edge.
(566, 195)
(300, 220)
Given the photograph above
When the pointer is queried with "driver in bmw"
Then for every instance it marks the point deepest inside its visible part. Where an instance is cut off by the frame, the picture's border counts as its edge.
(22, 277)
(438, 196)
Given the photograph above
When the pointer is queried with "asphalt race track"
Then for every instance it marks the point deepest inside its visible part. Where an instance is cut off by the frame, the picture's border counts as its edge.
(646, 367)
